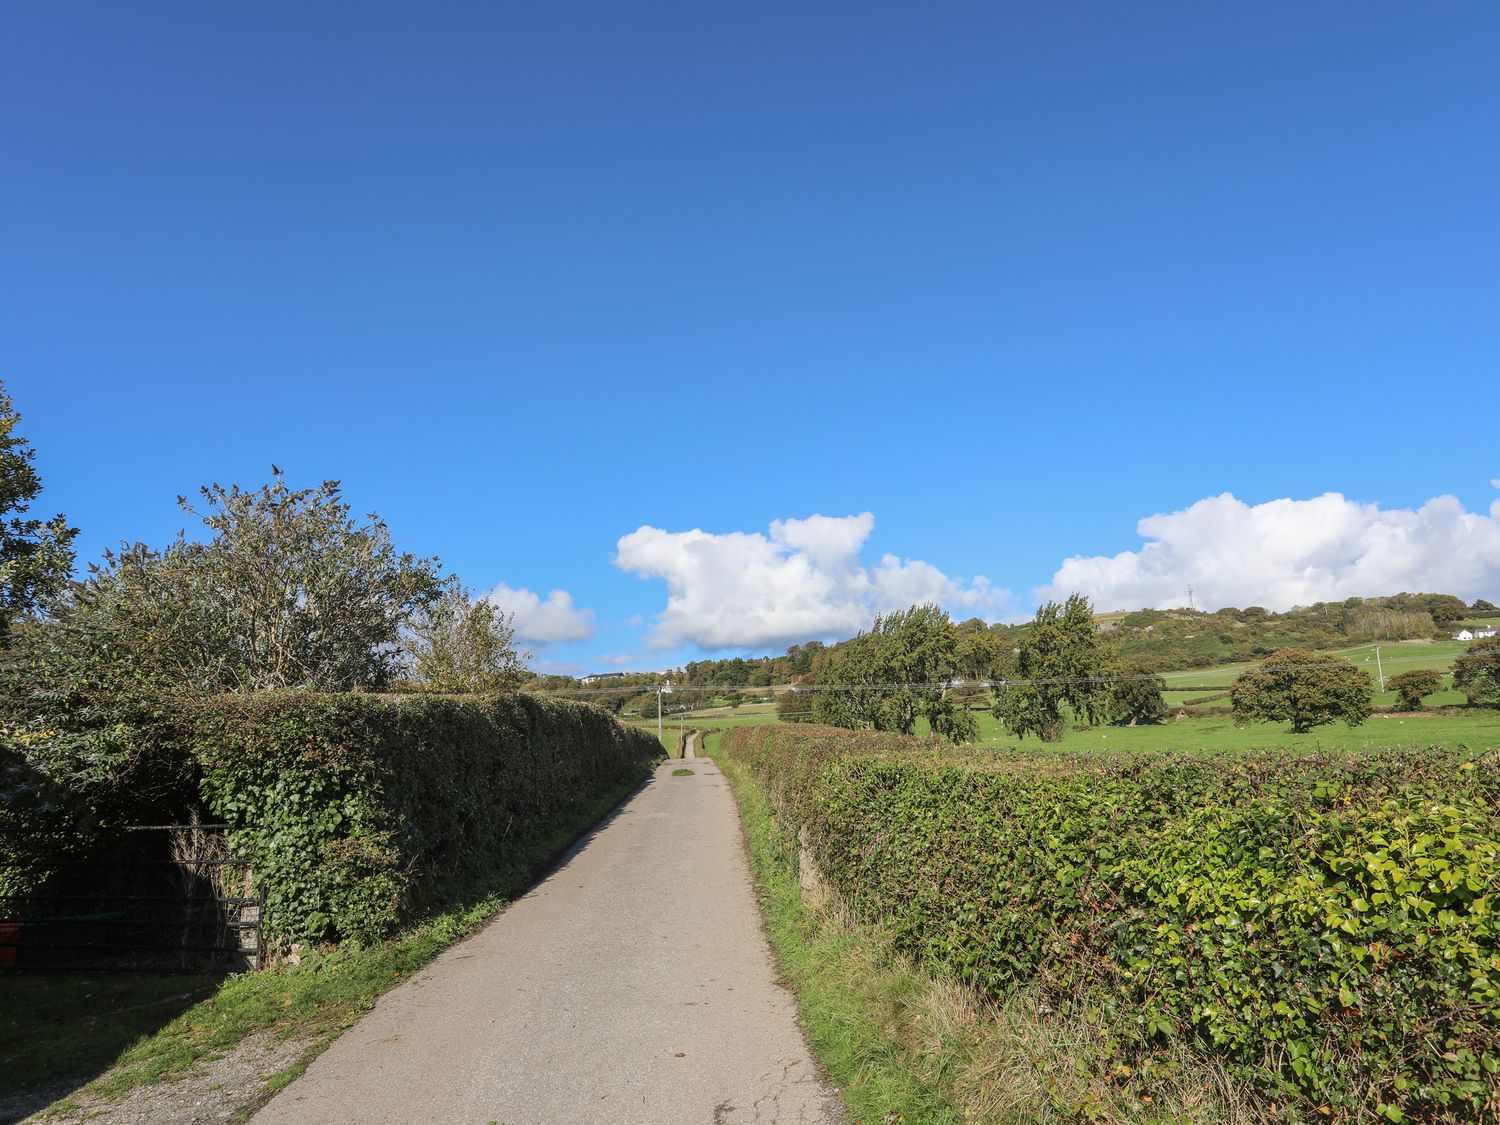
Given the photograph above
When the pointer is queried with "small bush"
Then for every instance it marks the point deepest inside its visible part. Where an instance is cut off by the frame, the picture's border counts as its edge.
(1411, 687)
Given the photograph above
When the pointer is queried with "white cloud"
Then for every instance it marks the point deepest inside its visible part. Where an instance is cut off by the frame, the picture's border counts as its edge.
(543, 622)
(802, 581)
(1292, 552)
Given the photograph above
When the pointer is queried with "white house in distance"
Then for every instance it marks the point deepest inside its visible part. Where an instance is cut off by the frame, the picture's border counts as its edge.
(1474, 634)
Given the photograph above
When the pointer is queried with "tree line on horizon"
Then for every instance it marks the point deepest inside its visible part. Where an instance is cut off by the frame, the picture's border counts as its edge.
(1151, 640)
(918, 664)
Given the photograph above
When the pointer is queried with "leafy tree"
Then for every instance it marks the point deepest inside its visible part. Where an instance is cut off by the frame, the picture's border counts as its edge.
(286, 592)
(36, 556)
(1060, 662)
(1410, 687)
(894, 674)
(1476, 672)
(1136, 697)
(40, 822)
(1304, 688)
(1482, 606)
(980, 654)
(1445, 608)
(462, 644)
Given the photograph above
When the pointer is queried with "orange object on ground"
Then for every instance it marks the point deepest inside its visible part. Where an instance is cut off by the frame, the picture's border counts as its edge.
(10, 941)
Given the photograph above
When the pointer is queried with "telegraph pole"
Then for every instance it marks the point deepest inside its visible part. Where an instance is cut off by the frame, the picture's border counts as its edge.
(1379, 668)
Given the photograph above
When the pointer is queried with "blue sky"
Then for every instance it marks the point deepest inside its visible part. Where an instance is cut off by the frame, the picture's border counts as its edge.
(1008, 278)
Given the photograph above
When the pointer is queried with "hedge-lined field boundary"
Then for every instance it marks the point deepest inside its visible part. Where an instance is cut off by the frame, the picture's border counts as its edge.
(1322, 925)
(359, 812)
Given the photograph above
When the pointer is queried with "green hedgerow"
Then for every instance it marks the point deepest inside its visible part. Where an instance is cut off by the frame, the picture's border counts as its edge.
(1323, 925)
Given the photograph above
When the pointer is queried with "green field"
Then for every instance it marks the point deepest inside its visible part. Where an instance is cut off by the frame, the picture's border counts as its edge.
(1395, 657)
(1198, 733)
(1479, 728)
(719, 718)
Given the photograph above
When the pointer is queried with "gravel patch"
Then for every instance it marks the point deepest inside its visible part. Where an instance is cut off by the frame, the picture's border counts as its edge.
(211, 1091)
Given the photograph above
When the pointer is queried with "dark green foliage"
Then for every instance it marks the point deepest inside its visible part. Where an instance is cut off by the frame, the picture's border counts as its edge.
(1306, 689)
(1323, 926)
(1476, 672)
(1445, 608)
(357, 811)
(1482, 606)
(795, 707)
(1061, 662)
(36, 556)
(889, 677)
(39, 822)
(1410, 687)
(1137, 698)
(980, 653)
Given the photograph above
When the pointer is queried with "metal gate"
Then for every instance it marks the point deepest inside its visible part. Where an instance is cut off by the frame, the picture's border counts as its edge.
(164, 897)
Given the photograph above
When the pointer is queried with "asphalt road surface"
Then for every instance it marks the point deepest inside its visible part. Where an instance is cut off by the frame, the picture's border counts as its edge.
(634, 985)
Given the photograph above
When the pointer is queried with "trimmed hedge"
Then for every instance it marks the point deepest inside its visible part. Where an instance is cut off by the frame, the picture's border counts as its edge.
(358, 811)
(1323, 925)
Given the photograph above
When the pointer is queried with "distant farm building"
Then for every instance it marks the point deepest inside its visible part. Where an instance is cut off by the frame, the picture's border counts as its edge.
(595, 677)
(1474, 634)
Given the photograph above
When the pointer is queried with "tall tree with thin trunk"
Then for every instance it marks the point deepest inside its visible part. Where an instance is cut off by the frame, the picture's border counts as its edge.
(1061, 661)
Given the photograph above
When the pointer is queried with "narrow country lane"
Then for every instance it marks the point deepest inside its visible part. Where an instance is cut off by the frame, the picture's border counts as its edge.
(634, 985)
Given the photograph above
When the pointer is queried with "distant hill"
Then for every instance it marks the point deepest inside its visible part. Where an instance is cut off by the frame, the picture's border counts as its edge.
(1163, 640)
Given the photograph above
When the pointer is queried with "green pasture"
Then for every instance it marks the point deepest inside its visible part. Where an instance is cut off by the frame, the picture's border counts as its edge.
(1478, 728)
(1200, 733)
(1183, 688)
(745, 715)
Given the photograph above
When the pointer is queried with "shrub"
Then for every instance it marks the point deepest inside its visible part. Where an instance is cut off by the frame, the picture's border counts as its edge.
(357, 811)
(1137, 698)
(1321, 925)
(1304, 688)
(1411, 687)
(795, 706)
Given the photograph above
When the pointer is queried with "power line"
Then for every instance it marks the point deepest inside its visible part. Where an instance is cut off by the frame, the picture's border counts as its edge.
(934, 685)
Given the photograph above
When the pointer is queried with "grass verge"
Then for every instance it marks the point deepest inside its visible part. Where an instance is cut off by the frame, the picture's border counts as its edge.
(317, 998)
(904, 1046)
(845, 988)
